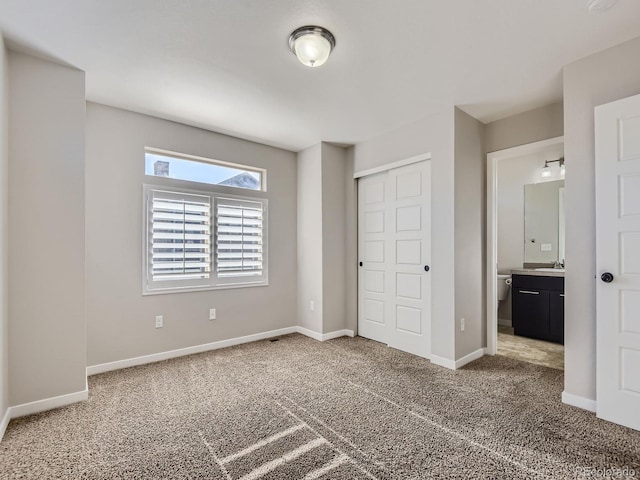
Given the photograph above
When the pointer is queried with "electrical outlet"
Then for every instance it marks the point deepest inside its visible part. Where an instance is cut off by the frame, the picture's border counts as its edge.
(159, 321)
(212, 314)
(462, 324)
(312, 305)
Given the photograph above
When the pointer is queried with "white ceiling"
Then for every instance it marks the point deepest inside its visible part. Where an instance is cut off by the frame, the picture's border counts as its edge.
(225, 65)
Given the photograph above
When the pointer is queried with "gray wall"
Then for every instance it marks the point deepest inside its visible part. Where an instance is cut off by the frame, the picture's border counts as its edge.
(47, 307)
(333, 237)
(351, 243)
(470, 186)
(601, 78)
(513, 175)
(4, 238)
(527, 127)
(434, 134)
(310, 238)
(326, 238)
(121, 320)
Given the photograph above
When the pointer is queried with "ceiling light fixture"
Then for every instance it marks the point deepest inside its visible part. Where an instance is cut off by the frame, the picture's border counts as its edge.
(599, 6)
(312, 45)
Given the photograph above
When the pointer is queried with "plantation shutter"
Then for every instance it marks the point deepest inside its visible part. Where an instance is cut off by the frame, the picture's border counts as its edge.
(179, 237)
(240, 240)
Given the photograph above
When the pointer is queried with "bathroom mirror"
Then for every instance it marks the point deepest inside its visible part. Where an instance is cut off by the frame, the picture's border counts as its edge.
(544, 222)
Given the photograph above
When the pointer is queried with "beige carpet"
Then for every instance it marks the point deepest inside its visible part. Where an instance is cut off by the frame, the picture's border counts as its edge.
(301, 409)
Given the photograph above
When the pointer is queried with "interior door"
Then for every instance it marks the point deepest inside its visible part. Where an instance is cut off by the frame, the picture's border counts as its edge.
(617, 128)
(373, 294)
(408, 279)
(394, 283)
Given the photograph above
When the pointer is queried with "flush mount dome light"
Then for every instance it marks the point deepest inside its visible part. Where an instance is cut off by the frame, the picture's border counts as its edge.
(312, 45)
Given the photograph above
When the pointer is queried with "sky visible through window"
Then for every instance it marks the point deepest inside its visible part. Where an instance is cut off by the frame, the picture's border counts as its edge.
(195, 171)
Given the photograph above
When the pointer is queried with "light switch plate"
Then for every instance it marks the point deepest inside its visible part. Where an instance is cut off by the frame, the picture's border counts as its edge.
(545, 247)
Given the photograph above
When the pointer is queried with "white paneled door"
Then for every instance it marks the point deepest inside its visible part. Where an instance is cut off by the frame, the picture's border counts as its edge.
(618, 261)
(394, 234)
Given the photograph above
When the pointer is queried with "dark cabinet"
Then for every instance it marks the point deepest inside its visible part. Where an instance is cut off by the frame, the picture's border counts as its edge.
(556, 317)
(538, 307)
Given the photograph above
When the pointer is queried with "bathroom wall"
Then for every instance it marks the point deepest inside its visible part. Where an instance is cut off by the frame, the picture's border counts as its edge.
(513, 175)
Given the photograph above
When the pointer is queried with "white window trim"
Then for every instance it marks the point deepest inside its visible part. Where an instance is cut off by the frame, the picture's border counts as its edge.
(214, 282)
(222, 163)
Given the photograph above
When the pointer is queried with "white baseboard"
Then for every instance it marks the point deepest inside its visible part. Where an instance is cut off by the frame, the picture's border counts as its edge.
(443, 362)
(48, 404)
(580, 402)
(309, 333)
(157, 357)
(5, 422)
(321, 337)
(461, 362)
(42, 406)
(337, 334)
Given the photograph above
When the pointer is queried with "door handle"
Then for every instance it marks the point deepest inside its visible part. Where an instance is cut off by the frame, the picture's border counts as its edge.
(607, 277)
(426, 268)
(528, 292)
(360, 264)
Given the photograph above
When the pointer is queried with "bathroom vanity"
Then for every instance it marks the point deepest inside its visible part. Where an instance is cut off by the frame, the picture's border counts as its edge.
(538, 303)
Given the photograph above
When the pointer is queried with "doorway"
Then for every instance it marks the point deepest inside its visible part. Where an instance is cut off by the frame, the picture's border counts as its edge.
(394, 248)
(525, 253)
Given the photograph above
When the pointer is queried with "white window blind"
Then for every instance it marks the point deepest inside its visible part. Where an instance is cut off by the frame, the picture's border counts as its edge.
(185, 252)
(240, 238)
(179, 239)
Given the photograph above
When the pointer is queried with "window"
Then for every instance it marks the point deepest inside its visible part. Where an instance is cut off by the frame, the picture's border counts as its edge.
(158, 163)
(239, 239)
(202, 240)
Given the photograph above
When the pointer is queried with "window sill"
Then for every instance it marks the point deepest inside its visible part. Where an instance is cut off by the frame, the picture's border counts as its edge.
(203, 289)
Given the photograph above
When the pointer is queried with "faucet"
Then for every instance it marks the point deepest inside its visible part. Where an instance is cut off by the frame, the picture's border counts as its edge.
(557, 264)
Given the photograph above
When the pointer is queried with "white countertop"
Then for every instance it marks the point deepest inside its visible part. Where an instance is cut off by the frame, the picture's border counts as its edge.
(539, 272)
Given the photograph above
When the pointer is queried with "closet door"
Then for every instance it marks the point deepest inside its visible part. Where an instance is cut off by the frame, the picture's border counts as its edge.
(373, 296)
(408, 247)
(394, 233)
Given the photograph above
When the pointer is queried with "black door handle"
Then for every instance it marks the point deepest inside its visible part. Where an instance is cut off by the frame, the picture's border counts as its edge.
(607, 277)
(360, 263)
(426, 268)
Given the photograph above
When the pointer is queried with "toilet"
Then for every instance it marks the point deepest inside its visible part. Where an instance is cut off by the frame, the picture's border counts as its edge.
(503, 285)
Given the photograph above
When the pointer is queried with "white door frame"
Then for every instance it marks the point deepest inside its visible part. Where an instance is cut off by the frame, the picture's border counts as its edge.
(492, 228)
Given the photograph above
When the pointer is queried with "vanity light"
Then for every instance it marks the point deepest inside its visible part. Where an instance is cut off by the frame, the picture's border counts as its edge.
(546, 170)
(312, 45)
